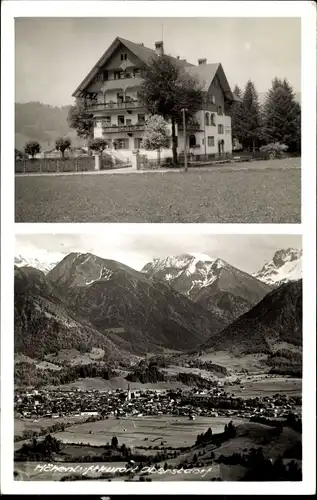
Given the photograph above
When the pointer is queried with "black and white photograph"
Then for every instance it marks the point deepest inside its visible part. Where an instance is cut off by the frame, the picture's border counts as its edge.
(201, 128)
(165, 361)
(158, 248)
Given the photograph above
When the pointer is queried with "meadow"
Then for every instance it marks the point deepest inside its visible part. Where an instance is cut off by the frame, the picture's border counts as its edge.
(143, 431)
(262, 192)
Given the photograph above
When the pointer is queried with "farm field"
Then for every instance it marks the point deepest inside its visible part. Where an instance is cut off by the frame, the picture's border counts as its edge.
(173, 431)
(262, 386)
(268, 193)
(21, 425)
(118, 383)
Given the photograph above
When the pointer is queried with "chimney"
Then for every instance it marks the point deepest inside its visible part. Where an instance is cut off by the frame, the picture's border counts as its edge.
(159, 48)
(202, 61)
(177, 57)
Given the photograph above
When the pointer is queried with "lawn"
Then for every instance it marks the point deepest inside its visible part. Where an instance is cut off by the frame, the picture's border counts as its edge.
(254, 195)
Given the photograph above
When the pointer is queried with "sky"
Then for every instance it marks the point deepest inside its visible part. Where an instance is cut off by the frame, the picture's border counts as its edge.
(53, 55)
(246, 252)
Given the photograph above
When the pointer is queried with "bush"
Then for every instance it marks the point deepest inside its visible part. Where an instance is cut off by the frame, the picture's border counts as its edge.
(274, 149)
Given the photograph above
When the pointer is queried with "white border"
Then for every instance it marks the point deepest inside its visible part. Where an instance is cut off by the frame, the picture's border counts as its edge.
(307, 11)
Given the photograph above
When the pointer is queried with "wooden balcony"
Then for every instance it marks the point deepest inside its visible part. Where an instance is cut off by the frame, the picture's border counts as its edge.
(123, 128)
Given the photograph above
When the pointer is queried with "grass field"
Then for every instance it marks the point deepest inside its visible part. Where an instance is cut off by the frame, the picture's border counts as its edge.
(21, 425)
(267, 387)
(174, 431)
(264, 194)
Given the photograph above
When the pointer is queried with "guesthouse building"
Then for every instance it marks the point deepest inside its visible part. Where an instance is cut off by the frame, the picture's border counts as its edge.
(111, 93)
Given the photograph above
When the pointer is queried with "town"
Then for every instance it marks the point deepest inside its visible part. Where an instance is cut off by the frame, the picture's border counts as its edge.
(36, 404)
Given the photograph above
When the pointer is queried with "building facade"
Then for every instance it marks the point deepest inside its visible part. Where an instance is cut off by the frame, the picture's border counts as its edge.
(111, 93)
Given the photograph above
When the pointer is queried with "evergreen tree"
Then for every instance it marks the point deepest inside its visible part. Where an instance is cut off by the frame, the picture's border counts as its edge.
(166, 90)
(282, 115)
(237, 115)
(251, 133)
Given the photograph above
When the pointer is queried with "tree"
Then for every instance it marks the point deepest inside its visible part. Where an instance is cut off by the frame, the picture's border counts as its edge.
(282, 115)
(237, 116)
(156, 135)
(63, 143)
(251, 132)
(80, 119)
(32, 148)
(167, 89)
(114, 442)
(98, 145)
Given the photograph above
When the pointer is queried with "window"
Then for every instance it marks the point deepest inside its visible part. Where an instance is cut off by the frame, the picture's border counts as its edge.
(128, 121)
(120, 120)
(192, 141)
(220, 129)
(137, 143)
(123, 56)
(211, 141)
(117, 75)
(207, 119)
(212, 119)
(136, 73)
(105, 76)
(216, 81)
(220, 110)
(212, 99)
(122, 143)
(120, 97)
(141, 118)
(106, 121)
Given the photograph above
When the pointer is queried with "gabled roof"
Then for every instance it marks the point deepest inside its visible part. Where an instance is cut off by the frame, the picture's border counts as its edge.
(143, 53)
(205, 73)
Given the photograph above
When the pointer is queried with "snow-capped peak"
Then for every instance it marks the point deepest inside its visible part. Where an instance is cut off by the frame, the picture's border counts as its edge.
(44, 262)
(285, 266)
(202, 257)
(186, 272)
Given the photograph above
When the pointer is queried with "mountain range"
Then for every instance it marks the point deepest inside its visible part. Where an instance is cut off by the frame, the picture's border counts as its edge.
(210, 282)
(285, 266)
(177, 304)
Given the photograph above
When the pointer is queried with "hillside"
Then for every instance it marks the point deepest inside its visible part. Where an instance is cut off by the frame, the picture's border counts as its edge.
(277, 319)
(43, 123)
(147, 315)
(43, 324)
(254, 451)
(87, 302)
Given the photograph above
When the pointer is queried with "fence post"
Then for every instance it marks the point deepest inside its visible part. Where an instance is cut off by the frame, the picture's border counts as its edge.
(137, 160)
(24, 167)
(97, 162)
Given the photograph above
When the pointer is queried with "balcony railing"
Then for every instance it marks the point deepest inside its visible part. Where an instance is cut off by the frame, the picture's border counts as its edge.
(115, 105)
(123, 128)
(190, 126)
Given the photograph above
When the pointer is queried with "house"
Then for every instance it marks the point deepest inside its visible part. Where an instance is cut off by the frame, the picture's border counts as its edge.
(110, 91)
